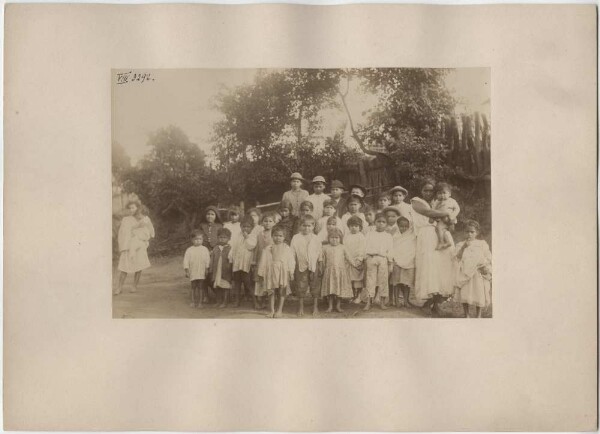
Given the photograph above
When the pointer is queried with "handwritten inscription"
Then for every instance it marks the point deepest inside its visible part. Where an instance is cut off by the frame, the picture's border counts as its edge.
(133, 77)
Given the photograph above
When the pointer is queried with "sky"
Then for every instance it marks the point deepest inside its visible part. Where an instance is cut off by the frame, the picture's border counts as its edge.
(185, 98)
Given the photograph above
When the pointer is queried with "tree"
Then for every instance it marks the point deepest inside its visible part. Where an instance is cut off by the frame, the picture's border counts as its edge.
(173, 179)
(120, 160)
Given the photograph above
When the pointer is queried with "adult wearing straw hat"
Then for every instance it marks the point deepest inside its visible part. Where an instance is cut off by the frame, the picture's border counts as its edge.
(296, 195)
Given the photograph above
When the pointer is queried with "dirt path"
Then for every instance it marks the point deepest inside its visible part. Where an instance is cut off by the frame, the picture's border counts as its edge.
(164, 292)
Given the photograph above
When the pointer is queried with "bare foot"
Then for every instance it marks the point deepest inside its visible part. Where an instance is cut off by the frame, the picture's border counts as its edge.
(339, 309)
(222, 306)
(192, 304)
(329, 310)
(270, 315)
(383, 306)
(316, 312)
(278, 315)
(200, 306)
(367, 307)
(300, 313)
(356, 300)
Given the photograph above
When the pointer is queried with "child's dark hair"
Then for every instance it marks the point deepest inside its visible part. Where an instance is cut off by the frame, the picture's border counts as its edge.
(332, 219)
(402, 219)
(329, 202)
(308, 219)
(380, 216)
(355, 221)
(385, 195)
(367, 209)
(307, 204)
(279, 229)
(234, 210)
(442, 186)
(472, 224)
(270, 215)
(256, 211)
(224, 232)
(197, 233)
(335, 232)
(285, 204)
(247, 221)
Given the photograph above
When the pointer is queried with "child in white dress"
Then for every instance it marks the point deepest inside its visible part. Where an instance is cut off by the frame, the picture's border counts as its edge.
(354, 204)
(234, 222)
(276, 270)
(329, 210)
(473, 274)
(443, 202)
(355, 244)
(242, 256)
(335, 282)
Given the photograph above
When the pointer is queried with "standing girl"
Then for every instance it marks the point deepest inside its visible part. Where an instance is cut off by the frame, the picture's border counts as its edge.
(195, 263)
(355, 244)
(133, 263)
(331, 223)
(221, 269)
(354, 205)
(328, 211)
(242, 256)
(234, 222)
(474, 274)
(288, 221)
(398, 195)
(335, 283)
(211, 226)
(276, 270)
(264, 239)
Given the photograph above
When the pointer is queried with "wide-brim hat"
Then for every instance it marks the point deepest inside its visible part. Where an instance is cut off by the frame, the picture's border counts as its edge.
(391, 208)
(337, 184)
(296, 175)
(398, 188)
(319, 179)
(360, 187)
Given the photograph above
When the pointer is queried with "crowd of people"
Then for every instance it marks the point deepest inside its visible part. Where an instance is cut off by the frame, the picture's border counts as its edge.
(329, 246)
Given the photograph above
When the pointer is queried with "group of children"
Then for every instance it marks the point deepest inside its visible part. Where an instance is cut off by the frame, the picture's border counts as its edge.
(315, 245)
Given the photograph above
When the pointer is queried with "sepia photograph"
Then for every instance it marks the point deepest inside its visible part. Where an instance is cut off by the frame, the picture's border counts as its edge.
(301, 193)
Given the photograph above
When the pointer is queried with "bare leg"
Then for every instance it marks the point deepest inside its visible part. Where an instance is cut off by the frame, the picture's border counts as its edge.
(466, 310)
(122, 277)
(225, 298)
(315, 306)
(136, 280)
(237, 294)
(193, 303)
(271, 313)
(368, 305)
(338, 304)
(281, 302)
(382, 303)
(329, 303)
(406, 293)
(301, 306)
(478, 311)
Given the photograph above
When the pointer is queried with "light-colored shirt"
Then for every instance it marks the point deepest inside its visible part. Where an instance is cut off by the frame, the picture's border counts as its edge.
(295, 197)
(317, 201)
(380, 244)
(404, 249)
(235, 230)
(405, 211)
(307, 249)
(449, 205)
(322, 227)
(242, 250)
(197, 261)
(360, 215)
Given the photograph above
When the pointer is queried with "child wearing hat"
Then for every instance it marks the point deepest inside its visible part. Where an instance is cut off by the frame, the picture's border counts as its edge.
(318, 197)
(398, 195)
(296, 195)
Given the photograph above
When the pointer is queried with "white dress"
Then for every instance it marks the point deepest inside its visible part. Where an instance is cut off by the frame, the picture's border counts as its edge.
(427, 274)
(473, 286)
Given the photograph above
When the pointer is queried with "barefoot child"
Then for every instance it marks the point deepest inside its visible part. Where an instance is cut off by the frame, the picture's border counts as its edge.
(242, 255)
(296, 195)
(404, 252)
(263, 240)
(391, 215)
(288, 221)
(234, 222)
(276, 270)
(474, 271)
(355, 244)
(444, 202)
(221, 268)
(379, 261)
(141, 232)
(318, 197)
(335, 282)
(306, 248)
(195, 263)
